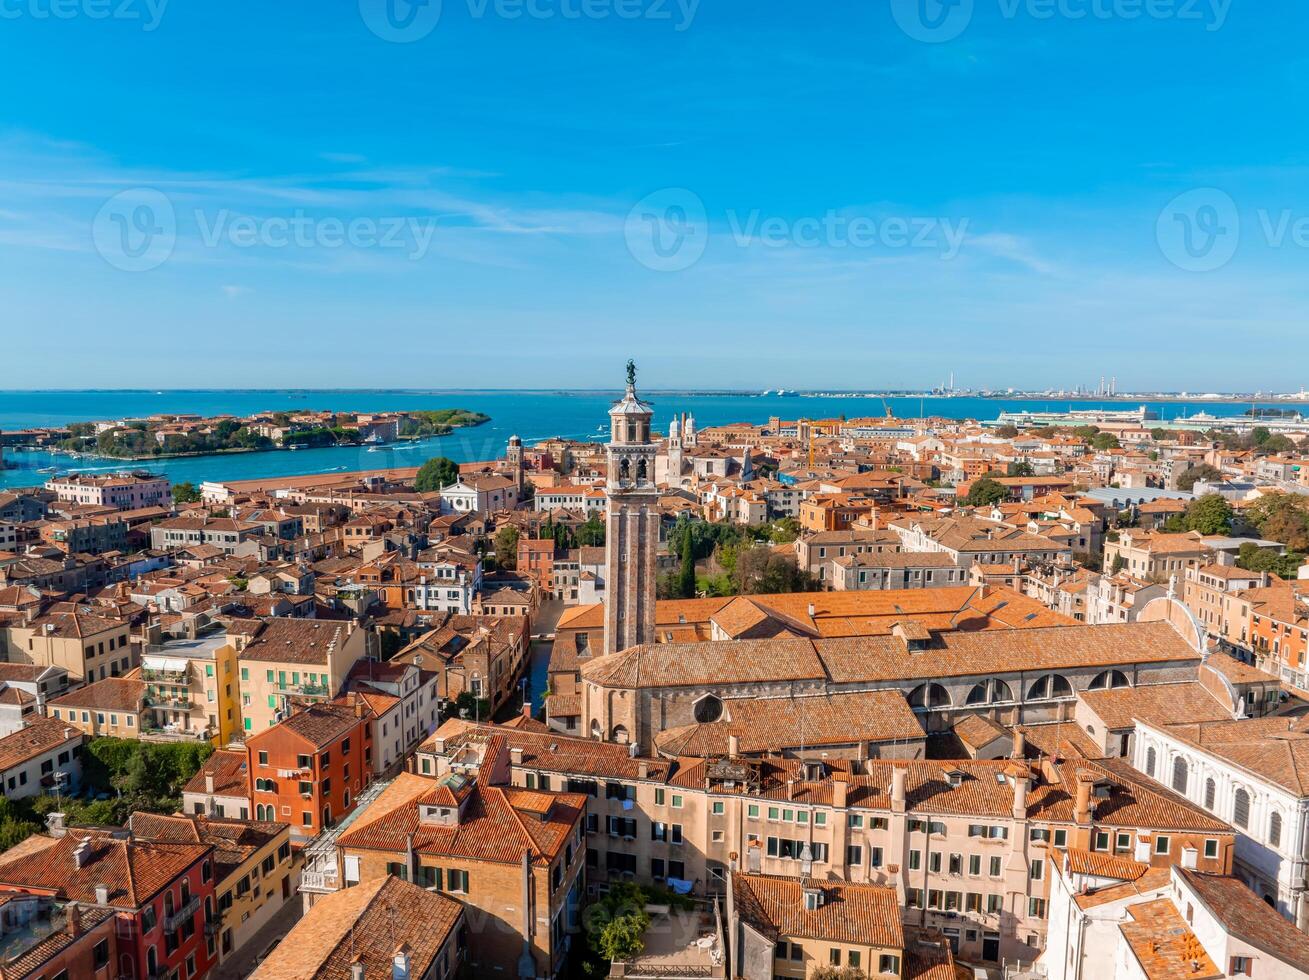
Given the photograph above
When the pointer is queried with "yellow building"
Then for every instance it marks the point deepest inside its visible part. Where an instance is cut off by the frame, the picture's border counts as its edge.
(284, 658)
(114, 707)
(792, 927)
(89, 647)
(192, 689)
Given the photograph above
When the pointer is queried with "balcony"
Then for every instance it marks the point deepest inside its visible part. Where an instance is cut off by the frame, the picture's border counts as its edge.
(172, 922)
(166, 676)
(319, 881)
(304, 690)
(169, 701)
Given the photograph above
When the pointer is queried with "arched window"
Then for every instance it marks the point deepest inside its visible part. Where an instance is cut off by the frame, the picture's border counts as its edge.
(1241, 809)
(988, 691)
(1109, 679)
(1275, 829)
(620, 734)
(624, 469)
(640, 469)
(1210, 791)
(708, 709)
(596, 731)
(1149, 761)
(1179, 774)
(929, 696)
(327, 817)
(1049, 686)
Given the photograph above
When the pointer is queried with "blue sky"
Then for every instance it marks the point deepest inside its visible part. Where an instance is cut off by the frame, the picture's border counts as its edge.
(736, 194)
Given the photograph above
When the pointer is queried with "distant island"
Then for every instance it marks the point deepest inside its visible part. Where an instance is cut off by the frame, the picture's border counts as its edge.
(167, 436)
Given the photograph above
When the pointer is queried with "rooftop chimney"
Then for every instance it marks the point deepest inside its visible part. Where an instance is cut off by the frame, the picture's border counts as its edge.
(1082, 811)
(899, 775)
(357, 968)
(400, 963)
(516, 755)
(840, 791)
(209, 782)
(54, 824)
(733, 746)
(1020, 797)
(82, 853)
(102, 894)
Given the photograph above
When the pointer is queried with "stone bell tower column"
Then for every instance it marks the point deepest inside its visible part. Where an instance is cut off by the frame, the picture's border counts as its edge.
(632, 526)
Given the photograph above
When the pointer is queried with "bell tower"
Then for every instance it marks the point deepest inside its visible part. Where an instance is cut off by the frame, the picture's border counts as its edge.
(632, 526)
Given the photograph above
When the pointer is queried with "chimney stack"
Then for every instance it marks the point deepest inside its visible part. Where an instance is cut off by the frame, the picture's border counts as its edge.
(102, 894)
(899, 776)
(82, 853)
(209, 783)
(840, 791)
(1082, 810)
(1020, 744)
(357, 968)
(1020, 797)
(733, 746)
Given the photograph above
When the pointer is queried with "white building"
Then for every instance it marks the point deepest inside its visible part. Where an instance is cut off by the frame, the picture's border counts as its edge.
(31, 760)
(1255, 775)
(1163, 924)
(485, 494)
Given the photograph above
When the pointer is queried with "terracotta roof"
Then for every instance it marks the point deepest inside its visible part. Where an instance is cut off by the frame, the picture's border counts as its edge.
(299, 641)
(1248, 918)
(231, 778)
(1275, 749)
(771, 724)
(111, 694)
(74, 624)
(1163, 944)
(553, 752)
(134, 870)
(234, 841)
(847, 913)
(978, 731)
(40, 735)
(1153, 880)
(496, 823)
(318, 724)
(884, 658)
(364, 924)
(1160, 703)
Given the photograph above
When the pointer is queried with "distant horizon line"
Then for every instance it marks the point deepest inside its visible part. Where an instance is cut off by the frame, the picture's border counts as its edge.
(990, 393)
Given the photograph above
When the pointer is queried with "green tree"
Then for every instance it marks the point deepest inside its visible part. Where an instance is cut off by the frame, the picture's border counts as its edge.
(1104, 440)
(985, 492)
(1210, 514)
(1203, 472)
(616, 924)
(1021, 468)
(186, 493)
(686, 576)
(1007, 431)
(506, 546)
(1256, 559)
(1282, 517)
(592, 533)
(436, 473)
